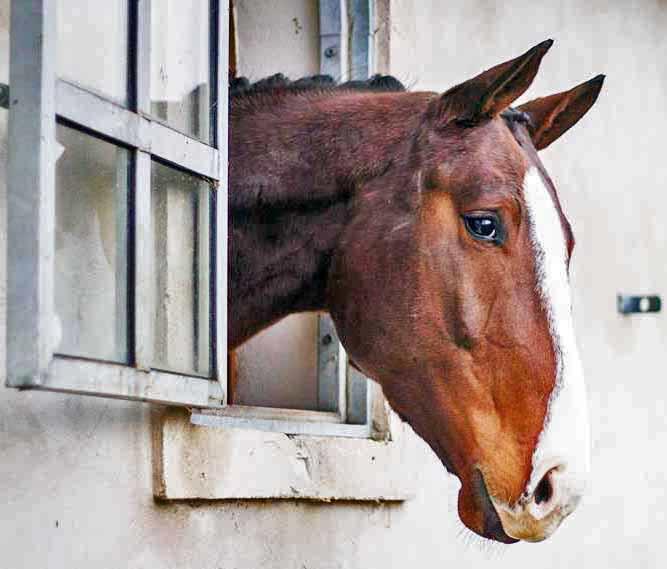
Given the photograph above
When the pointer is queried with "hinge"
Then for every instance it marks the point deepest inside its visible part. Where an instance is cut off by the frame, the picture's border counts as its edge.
(4, 96)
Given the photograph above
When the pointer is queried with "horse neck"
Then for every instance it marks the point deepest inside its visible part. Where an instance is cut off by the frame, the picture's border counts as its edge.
(295, 169)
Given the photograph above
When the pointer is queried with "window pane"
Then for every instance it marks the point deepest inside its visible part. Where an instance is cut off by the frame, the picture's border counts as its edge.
(93, 45)
(180, 91)
(91, 247)
(180, 209)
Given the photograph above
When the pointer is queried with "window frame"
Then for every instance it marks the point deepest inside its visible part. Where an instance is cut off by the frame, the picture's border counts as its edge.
(345, 400)
(38, 100)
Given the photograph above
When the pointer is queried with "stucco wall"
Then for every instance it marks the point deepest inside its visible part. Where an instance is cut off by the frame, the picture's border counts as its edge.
(76, 472)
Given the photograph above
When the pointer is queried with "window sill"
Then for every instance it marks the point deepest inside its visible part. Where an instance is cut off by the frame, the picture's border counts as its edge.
(289, 422)
(191, 462)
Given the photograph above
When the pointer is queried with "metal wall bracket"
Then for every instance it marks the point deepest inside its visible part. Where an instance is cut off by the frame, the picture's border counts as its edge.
(4, 96)
(628, 304)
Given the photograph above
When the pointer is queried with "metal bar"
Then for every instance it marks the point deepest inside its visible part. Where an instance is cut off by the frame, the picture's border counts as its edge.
(342, 380)
(31, 192)
(103, 379)
(330, 38)
(215, 69)
(4, 96)
(281, 426)
(359, 28)
(328, 361)
(132, 59)
(358, 403)
(143, 57)
(219, 233)
(144, 286)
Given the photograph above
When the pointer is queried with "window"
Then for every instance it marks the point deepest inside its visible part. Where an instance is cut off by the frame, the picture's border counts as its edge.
(117, 236)
(294, 377)
(117, 224)
(117, 199)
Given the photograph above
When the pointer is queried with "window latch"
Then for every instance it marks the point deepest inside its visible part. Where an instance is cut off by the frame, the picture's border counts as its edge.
(4, 96)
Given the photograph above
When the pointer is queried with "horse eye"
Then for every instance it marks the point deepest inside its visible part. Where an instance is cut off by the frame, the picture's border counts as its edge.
(484, 227)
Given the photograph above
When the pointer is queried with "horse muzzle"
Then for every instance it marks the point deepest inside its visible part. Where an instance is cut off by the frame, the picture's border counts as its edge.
(538, 513)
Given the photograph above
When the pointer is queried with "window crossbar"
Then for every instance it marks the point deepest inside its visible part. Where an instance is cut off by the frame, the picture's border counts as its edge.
(95, 113)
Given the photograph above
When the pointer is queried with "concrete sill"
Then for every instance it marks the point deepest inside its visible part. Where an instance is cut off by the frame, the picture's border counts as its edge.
(203, 463)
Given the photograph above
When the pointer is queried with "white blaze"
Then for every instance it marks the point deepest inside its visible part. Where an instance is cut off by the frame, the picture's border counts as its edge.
(565, 438)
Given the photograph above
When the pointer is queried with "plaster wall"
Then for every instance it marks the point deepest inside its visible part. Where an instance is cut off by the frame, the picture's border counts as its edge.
(76, 472)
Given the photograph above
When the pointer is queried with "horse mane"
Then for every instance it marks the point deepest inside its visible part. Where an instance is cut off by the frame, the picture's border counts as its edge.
(279, 84)
(240, 88)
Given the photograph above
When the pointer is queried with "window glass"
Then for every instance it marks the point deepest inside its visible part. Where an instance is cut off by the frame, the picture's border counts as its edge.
(91, 247)
(180, 210)
(93, 45)
(180, 90)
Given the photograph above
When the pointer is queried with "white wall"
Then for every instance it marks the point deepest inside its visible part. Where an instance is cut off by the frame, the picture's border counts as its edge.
(76, 472)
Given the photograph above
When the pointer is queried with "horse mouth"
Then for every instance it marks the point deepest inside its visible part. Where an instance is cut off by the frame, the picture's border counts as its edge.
(492, 526)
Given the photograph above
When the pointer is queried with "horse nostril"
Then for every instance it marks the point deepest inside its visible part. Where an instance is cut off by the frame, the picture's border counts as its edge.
(544, 490)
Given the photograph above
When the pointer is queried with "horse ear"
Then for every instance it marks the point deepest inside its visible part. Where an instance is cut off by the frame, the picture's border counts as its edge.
(491, 92)
(552, 116)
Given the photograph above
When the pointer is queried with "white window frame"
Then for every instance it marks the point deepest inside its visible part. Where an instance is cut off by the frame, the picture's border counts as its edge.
(38, 99)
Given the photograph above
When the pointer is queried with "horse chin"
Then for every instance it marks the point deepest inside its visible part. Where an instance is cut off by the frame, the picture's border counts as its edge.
(478, 513)
(476, 509)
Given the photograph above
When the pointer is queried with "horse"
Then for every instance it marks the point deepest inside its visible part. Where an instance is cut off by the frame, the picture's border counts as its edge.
(426, 225)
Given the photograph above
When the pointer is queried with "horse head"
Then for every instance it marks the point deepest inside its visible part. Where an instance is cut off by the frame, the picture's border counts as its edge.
(462, 250)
